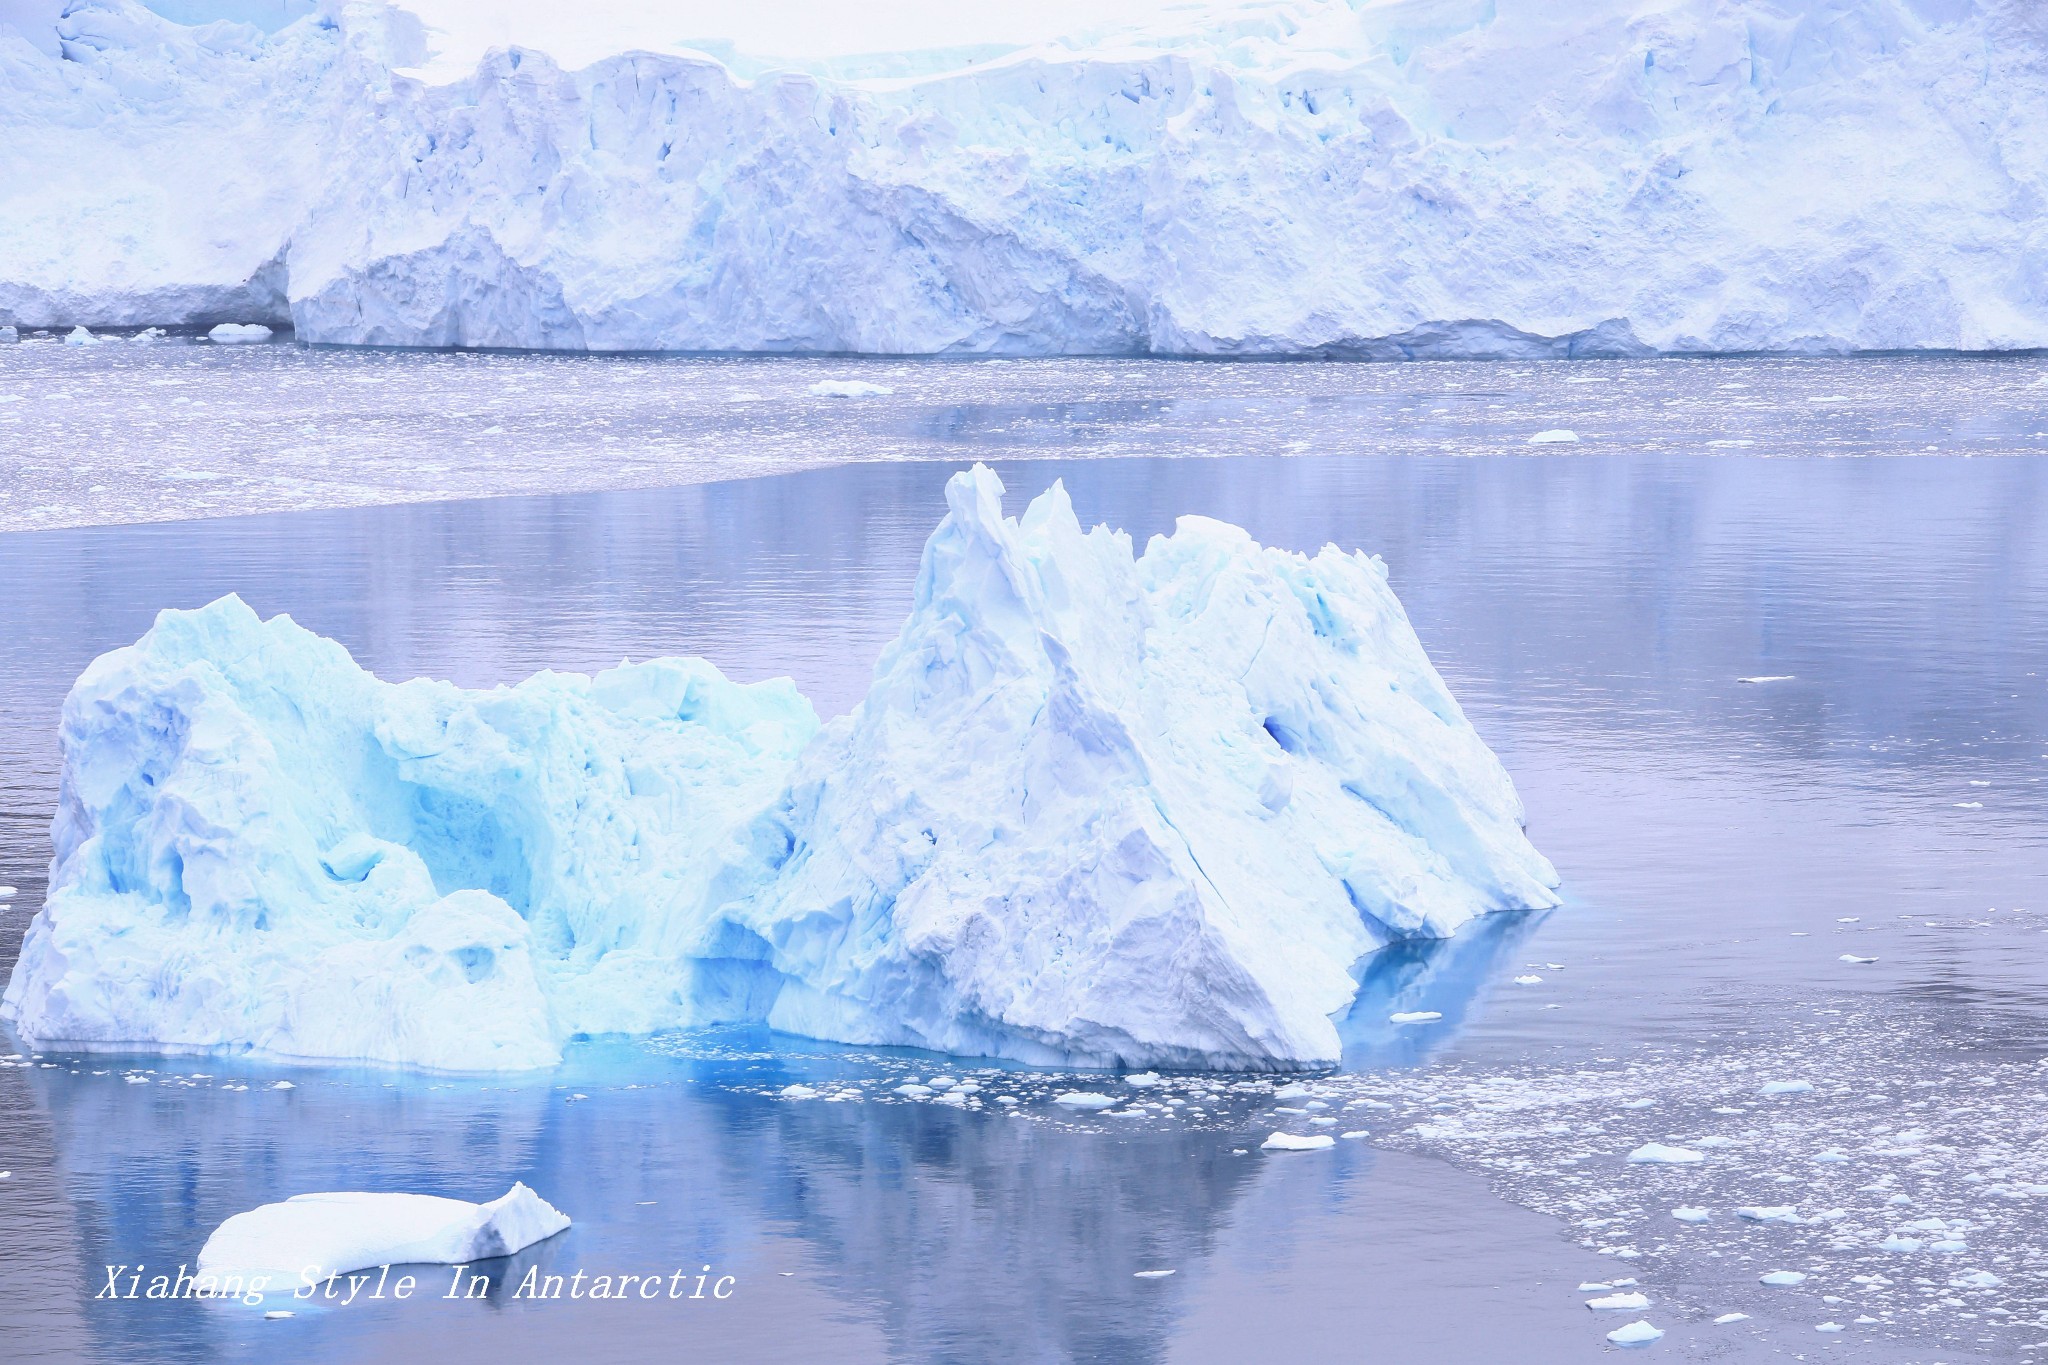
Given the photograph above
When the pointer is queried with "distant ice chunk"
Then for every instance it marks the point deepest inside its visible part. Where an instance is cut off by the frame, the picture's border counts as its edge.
(1731, 1317)
(1851, 957)
(1769, 1213)
(9, 336)
(1084, 1099)
(1143, 1080)
(1635, 1334)
(337, 1233)
(1150, 1274)
(1288, 1142)
(1692, 1215)
(1414, 1017)
(1557, 437)
(79, 336)
(1782, 1279)
(1619, 1303)
(849, 388)
(1786, 1087)
(1767, 678)
(230, 333)
(1657, 1154)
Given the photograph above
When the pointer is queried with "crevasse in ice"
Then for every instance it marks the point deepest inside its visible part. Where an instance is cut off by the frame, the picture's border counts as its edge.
(1097, 808)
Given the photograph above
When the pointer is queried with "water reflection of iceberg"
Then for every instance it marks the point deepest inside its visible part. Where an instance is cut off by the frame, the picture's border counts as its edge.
(1445, 976)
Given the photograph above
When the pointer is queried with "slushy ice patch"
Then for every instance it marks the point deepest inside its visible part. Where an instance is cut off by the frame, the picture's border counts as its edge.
(1097, 808)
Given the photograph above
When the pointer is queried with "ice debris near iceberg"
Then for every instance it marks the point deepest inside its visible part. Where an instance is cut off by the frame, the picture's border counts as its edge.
(310, 1236)
(1098, 808)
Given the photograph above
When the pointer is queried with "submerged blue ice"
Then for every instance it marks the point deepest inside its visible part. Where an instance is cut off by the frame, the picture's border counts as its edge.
(1097, 808)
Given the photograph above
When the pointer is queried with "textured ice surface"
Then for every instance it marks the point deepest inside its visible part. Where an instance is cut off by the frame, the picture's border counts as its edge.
(308, 1237)
(1096, 808)
(1533, 179)
(261, 845)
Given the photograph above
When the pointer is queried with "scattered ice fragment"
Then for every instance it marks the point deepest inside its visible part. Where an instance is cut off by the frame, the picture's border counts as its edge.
(1897, 1243)
(1768, 677)
(1657, 1154)
(1849, 919)
(1414, 1017)
(1639, 1104)
(1144, 1080)
(1949, 1245)
(1618, 1303)
(1288, 1142)
(1635, 1334)
(229, 333)
(274, 1314)
(917, 1091)
(79, 336)
(1007, 1099)
(1769, 1213)
(1528, 981)
(1982, 1279)
(798, 1092)
(1782, 1279)
(284, 1085)
(1559, 436)
(849, 388)
(1150, 1274)
(1692, 1215)
(1786, 1087)
(1829, 1327)
(1354, 1134)
(1084, 1099)
(1851, 957)
(6, 891)
(340, 1232)
(1831, 1157)
(1717, 1140)
(1968, 805)
(1293, 1091)
(1731, 1317)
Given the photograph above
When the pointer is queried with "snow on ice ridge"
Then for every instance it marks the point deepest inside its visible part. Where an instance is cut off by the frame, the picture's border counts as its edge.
(1457, 178)
(1097, 808)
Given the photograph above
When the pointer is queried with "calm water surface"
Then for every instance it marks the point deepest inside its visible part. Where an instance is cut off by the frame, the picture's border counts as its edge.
(1724, 844)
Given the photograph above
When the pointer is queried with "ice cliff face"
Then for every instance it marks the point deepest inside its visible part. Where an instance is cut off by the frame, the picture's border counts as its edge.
(1424, 177)
(1096, 809)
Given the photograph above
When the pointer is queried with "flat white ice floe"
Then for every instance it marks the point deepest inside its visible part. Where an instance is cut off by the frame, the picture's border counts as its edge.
(315, 1235)
(1782, 1279)
(1786, 1087)
(231, 333)
(1099, 808)
(1415, 1017)
(1627, 1302)
(1657, 1154)
(1289, 1142)
(1558, 437)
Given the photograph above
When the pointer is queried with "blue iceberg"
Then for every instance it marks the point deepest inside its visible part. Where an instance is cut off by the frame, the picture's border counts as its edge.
(1098, 808)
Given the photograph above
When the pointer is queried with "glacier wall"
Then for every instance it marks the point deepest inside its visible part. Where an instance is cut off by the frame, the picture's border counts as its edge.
(1097, 808)
(1404, 178)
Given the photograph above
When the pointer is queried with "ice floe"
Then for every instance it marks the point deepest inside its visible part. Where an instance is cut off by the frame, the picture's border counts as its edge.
(317, 1235)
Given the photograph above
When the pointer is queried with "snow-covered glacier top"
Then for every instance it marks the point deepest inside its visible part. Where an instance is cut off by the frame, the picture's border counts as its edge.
(1368, 177)
(1098, 807)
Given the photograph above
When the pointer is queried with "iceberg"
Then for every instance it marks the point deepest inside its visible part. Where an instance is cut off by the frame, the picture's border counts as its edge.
(1098, 808)
(305, 1239)
(1431, 178)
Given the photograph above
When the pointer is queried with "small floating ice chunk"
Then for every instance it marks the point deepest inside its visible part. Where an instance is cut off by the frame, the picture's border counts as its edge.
(79, 336)
(1851, 957)
(1782, 1279)
(798, 1092)
(918, 1091)
(1558, 436)
(1528, 981)
(6, 891)
(340, 1232)
(1831, 1157)
(1896, 1243)
(284, 1085)
(1638, 1333)
(1657, 1154)
(1786, 1087)
(849, 388)
(1150, 1274)
(1768, 677)
(1982, 1279)
(1144, 1080)
(1084, 1099)
(276, 1313)
(1829, 1327)
(1731, 1317)
(1288, 1142)
(1618, 1303)
(232, 333)
(1692, 1215)
(1968, 805)
(1769, 1213)
(1414, 1017)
